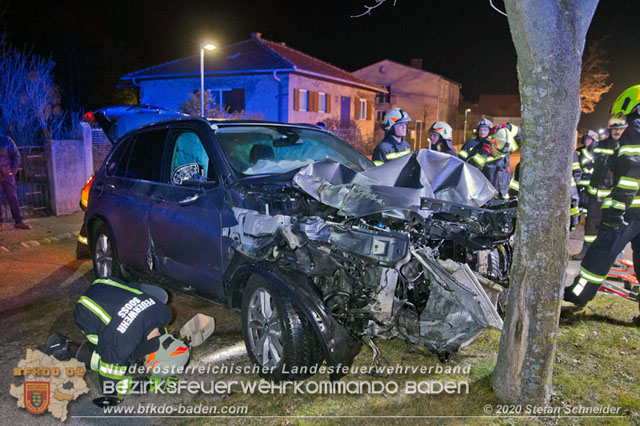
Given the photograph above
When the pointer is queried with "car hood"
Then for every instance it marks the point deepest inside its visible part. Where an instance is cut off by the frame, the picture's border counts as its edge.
(396, 187)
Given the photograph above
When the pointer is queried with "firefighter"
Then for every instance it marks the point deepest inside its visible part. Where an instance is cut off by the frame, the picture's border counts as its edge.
(440, 134)
(482, 131)
(600, 183)
(492, 156)
(393, 145)
(124, 325)
(586, 159)
(620, 209)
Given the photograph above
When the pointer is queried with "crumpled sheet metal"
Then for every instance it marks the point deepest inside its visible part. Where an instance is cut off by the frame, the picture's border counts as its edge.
(397, 186)
(455, 314)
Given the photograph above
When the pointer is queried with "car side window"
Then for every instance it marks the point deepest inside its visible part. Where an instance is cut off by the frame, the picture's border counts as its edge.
(189, 159)
(117, 165)
(146, 156)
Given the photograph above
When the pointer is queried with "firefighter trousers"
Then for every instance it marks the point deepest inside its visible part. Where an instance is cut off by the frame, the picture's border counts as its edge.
(599, 258)
(592, 219)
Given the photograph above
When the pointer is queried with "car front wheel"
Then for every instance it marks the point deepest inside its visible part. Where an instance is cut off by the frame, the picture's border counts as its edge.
(105, 257)
(277, 337)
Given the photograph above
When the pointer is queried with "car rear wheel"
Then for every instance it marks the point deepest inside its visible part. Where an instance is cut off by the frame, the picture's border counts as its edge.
(105, 257)
(276, 335)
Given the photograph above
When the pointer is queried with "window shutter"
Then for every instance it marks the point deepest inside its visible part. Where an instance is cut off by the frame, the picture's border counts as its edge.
(296, 100)
(313, 101)
(237, 100)
(356, 109)
(369, 110)
(328, 109)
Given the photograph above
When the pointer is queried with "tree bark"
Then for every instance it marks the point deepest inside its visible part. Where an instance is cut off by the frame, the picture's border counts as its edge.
(549, 37)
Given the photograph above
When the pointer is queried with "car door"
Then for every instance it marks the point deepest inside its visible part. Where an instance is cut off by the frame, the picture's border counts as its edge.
(122, 197)
(185, 220)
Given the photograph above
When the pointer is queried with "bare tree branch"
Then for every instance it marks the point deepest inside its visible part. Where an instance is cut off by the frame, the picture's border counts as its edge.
(370, 8)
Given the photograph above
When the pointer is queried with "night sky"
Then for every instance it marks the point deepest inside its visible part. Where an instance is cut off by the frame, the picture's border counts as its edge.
(94, 43)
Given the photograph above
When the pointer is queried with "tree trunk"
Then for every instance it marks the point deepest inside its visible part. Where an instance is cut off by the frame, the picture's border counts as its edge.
(549, 37)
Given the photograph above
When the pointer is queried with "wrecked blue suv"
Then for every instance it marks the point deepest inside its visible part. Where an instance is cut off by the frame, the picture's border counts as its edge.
(319, 250)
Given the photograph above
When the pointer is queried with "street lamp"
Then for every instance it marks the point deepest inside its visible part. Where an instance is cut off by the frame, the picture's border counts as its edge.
(208, 46)
(464, 133)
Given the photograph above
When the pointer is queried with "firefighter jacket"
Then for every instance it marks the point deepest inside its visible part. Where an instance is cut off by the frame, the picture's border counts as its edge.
(388, 149)
(601, 180)
(117, 318)
(468, 146)
(586, 156)
(9, 156)
(444, 145)
(514, 190)
(496, 169)
(576, 170)
(623, 199)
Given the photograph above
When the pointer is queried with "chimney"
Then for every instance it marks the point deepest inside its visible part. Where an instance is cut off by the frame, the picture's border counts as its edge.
(256, 35)
(416, 63)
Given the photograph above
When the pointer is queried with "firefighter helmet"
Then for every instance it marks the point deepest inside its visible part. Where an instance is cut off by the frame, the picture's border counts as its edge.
(441, 128)
(502, 139)
(393, 117)
(590, 134)
(484, 123)
(626, 103)
(170, 355)
(617, 123)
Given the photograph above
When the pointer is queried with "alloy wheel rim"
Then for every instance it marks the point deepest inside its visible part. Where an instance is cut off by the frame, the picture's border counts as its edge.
(265, 334)
(104, 256)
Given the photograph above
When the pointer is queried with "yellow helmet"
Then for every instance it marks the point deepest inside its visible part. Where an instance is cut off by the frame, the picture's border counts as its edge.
(626, 102)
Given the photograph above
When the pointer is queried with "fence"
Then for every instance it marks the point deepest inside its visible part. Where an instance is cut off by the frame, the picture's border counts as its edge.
(32, 183)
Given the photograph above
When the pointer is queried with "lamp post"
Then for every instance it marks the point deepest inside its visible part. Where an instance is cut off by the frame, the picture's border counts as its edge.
(464, 133)
(208, 46)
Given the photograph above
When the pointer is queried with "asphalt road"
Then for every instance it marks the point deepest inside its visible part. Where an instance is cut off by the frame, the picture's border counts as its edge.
(38, 289)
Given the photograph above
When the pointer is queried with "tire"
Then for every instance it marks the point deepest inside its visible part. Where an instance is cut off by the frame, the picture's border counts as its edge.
(104, 254)
(275, 334)
(498, 265)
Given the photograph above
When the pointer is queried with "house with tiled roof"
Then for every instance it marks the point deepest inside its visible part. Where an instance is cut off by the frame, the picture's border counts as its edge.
(266, 78)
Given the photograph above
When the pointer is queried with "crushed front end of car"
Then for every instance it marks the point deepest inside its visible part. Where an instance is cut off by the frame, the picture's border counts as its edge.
(409, 249)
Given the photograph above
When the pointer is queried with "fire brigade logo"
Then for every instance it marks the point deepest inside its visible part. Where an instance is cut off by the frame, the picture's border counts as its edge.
(36, 396)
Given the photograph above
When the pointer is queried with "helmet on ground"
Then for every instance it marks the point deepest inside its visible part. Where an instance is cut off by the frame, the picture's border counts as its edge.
(502, 139)
(484, 123)
(627, 102)
(617, 123)
(170, 355)
(393, 117)
(441, 128)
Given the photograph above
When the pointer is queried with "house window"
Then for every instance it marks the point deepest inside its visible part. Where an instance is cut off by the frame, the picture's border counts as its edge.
(303, 100)
(363, 110)
(322, 102)
(384, 98)
(380, 115)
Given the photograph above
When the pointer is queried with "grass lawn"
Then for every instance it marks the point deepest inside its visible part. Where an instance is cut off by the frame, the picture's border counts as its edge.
(597, 361)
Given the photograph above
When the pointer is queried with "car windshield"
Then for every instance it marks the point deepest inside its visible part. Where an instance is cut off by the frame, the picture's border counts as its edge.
(253, 150)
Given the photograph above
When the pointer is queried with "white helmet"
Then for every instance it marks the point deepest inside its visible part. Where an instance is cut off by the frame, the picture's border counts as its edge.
(441, 128)
(170, 355)
(503, 139)
(617, 123)
(393, 117)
